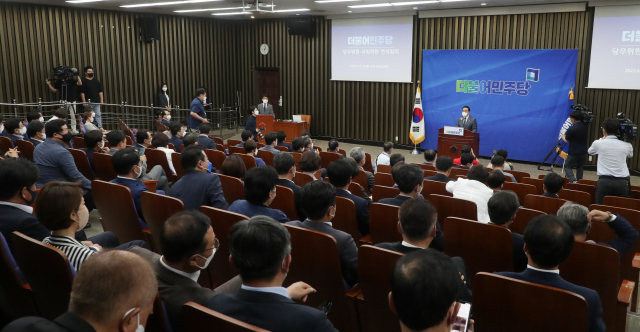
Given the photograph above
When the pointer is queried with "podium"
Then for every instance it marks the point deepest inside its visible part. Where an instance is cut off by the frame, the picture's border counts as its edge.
(292, 129)
(446, 142)
(265, 121)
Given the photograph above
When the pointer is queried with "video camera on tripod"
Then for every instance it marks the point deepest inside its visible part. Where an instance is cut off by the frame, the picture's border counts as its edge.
(65, 73)
(628, 131)
(587, 115)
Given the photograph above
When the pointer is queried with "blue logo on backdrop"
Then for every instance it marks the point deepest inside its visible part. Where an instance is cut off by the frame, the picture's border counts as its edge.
(491, 83)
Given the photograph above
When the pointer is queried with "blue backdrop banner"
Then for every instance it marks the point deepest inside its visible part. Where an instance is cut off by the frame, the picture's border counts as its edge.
(519, 97)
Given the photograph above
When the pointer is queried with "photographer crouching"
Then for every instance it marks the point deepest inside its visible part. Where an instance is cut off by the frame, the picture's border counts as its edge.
(577, 137)
(612, 162)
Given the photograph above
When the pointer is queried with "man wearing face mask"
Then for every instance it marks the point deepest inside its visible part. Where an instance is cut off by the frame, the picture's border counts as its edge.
(178, 131)
(199, 185)
(92, 91)
(251, 149)
(198, 114)
(251, 124)
(35, 131)
(15, 130)
(265, 108)
(259, 191)
(466, 121)
(163, 117)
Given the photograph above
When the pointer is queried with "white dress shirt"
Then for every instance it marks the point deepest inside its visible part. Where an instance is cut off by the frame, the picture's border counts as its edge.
(275, 290)
(613, 154)
(168, 152)
(474, 191)
(193, 276)
(383, 159)
(541, 270)
(24, 208)
(409, 245)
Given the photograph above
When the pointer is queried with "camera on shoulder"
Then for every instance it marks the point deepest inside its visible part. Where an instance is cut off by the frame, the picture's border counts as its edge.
(65, 73)
(585, 113)
(628, 131)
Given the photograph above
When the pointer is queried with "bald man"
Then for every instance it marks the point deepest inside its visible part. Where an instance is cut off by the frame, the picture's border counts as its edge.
(114, 291)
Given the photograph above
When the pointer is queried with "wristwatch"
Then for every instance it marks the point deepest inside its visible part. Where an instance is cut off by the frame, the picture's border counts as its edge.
(611, 216)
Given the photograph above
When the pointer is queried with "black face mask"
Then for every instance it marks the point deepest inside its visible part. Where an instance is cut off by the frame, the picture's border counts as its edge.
(90, 74)
(66, 137)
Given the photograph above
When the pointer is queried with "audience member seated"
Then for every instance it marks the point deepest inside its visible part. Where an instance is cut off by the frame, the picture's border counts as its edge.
(502, 208)
(199, 185)
(310, 163)
(56, 163)
(548, 242)
(496, 180)
(384, 157)
(59, 114)
(395, 159)
(579, 219)
(430, 157)
(234, 166)
(88, 121)
(417, 225)
(466, 149)
(61, 209)
(298, 144)
(319, 203)
(285, 165)
(552, 183)
(308, 145)
(340, 176)
(160, 141)
(245, 136)
(282, 136)
(334, 146)
(117, 141)
(190, 139)
(251, 149)
(263, 267)
(355, 171)
(15, 130)
(143, 139)
(34, 115)
(498, 164)
(502, 153)
(177, 132)
(271, 141)
(128, 165)
(306, 134)
(259, 191)
(424, 292)
(444, 164)
(188, 244)
(466, 161)
(360, 157)
(474, 188)
(203, 139)
(95, 143)
(163, 117)
(394, 170)
(36, 133)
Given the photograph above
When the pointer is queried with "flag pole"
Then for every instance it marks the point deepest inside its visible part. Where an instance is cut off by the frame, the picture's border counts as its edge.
(415, 146)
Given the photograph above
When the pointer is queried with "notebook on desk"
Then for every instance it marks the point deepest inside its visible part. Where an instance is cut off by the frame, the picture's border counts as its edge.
(297, 118)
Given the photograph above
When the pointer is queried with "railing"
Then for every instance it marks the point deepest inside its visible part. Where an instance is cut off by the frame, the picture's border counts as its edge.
(135, 116)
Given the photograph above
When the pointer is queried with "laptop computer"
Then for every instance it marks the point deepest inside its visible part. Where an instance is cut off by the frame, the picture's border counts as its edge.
(297, 118)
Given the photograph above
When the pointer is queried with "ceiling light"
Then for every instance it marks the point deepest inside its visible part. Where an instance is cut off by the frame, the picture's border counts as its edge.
(327, 1)
(205, 10)
(412, 3)
(82, 1)
(351, 11)
(453, 0)
(166, 3)
(253, 17)
(291, 10)
(483, 4)
(373, 5)
(234, 13)
(415, 7)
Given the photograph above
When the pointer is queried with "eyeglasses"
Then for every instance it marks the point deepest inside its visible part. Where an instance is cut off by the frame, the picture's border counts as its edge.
(216, 245)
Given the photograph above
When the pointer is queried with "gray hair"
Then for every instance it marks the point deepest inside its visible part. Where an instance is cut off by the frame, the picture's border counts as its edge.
(574, 215)
(357, 154)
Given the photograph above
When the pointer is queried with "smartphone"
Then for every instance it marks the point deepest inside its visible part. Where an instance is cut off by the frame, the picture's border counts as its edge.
(141, 151)
(325, 306)
(462, 321)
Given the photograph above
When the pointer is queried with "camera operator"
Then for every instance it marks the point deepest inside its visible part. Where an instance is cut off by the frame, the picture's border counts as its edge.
(576, 136)
(612, 162)
(71, 95)
(92, 90)
(251, 123)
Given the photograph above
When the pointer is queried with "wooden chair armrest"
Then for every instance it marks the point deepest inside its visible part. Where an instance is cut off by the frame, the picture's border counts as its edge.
(636, 261)
(355, 291)
(366, 239)
(151, 185)
(626, 289)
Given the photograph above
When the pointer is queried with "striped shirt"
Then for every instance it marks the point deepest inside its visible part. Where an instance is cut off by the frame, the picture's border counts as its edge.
(76, 251)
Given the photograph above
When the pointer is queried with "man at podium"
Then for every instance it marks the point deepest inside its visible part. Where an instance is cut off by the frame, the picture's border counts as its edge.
(466, 121)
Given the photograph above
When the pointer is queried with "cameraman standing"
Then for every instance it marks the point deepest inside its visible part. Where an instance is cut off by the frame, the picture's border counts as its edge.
(576, 136)
(71, 95)
(92, 90)
(612, 162)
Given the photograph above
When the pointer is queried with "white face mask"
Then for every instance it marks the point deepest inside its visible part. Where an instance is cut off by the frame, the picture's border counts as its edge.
(44, 136)
(83, 217)
(101, 146)
(89, 120)
(41, 119)
(464, 114)
(140, 328)
(23, 130)
(256, 112)
(164, 89)
(208, 260)
(265, 100)
(168, 117)
(137, 173)
(182, 133)
(205, 99)
(1, 128)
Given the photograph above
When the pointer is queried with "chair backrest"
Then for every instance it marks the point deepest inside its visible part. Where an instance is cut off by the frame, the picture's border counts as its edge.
(590, 182)
(221, 222)
(159, 126)
(26, 149)
(249, 161)
(345, 218)
(302, 178)
(104, 167)
(425, 166)
(48, 272)
(361, 179)
(260, 145)
(158, 320)
(383, 169)
(548, 205)
(453, 207)
(306, 118)
(216, 157)
(519, 175)
(16, 298)
(501, 304)
(285, 202)
(156, 209)
(536, 182)
(384, 179)
(177, 165)
(117, 211)
(523, 216)
(282, 148)
(220, 147)
(5, 144)
(78, 142)
(82, 163)
(580, 197)
(374, 271)
(627, 203)
(462, 239)
(218, 140)
(327, 157)
(380, 192)
(458, 172)
(429, 173)
(171, 146)
(196, 318)
(368, 166)
(430, 187)
(157, 157)
(320, 268)
(383, 223)
(297, 156)
(582, 187)
(521, 189)
(236, 149)
(266, 156)
(355, 188)
(232, 188)
(233, 142)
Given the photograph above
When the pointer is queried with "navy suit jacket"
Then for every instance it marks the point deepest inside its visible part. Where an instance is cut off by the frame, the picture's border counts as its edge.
(176, 141)
(296, 194)
(35, 142)
(244, 207)
(439, 177)
(137, 187)
(287, 145)
(165, 122)
(14, 139)
(346, 247)
(67, 322)
(196, 188)
(362, 210)
(251, 124)
(551, 195)
(554, 280)
(206, 143)
(272, 312)
(627, 235)
(14, 219)
(520, 259)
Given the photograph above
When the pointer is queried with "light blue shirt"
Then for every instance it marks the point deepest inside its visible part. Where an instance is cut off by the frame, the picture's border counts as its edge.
(275, 290)
(612, 156)
(513, 178)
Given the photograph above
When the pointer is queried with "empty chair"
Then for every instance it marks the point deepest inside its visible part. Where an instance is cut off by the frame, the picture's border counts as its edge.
(523, 216)
(430, 187)
(236, 149)
(345, 219)
(547, 205)
(380, 192)
(521, 189)
(384, 179)
(383, 222)
(26, 149)
(117, 211)
(78, 143)
(575, 196)
(196, 318)
(535, 182)
(104, 167)
(266, 156)
(156, 209)
(215, 157)
(327, 157)
(16, 298)
(249, 161)
(627, 203)
(232, 188)
(426, 167)
(177, 165)
(302, 178)
(582, 187)
(285, 202)
(82, 163)
(383, 169)
(453, 207)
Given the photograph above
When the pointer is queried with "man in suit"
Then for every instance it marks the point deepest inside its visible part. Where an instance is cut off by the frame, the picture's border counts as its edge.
(285, 165)
(244, 136)
(259, 191)
(282, 136)
(271, 140)
(164, 117)
(474, 188)
(178, 131)
(552, 183)
(339, 173)
(128, 166)
(466, 121)
(143, 139)
(444, 164)
(319, 203)
(203, 139)
(95, 143)
(188, 245)
(430, 157)
(503, 207)
(251, 149)
(579, 219)
(265, 108)
(417, 226)
(359, 156)
(199, 185)
(409, 179)
(498, 164)
(15, 130)
(495, 180)
(263, 267)
(190, 139)
(35, 131)
(334, 146)
(117, 141)
(114, 291)
(548, 242)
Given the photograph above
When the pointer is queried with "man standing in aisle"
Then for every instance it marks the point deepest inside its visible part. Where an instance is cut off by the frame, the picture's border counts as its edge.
(265, 108)
(92, 91)
(576, 136)
(198, 115)
(70, 95)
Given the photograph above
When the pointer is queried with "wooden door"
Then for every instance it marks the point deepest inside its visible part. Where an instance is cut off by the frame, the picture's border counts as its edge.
(269, 84)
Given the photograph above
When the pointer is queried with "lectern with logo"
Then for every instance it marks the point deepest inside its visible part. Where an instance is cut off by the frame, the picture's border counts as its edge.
(451, 139)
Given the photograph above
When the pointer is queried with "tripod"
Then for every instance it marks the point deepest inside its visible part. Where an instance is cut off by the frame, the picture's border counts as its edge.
(558, 150)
